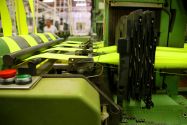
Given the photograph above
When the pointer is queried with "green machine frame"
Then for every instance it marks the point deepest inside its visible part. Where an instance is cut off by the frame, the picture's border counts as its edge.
(172, 18)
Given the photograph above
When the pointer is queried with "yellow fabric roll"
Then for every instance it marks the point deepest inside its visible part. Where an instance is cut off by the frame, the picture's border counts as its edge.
(13, 46)
(43, 37)
(31, 41)
(52, 36)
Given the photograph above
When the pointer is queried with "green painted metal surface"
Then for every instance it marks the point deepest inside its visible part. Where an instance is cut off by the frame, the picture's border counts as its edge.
(158, 80)
(166, 111)
(172, 84)
(4, 50)
(180, 100)
(172, 32)
(53, 101)
(164, 28)
(177, 34)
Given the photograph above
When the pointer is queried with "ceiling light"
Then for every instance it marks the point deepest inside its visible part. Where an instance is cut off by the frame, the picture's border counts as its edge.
(79, 0)
(80, 4)
(47, 1)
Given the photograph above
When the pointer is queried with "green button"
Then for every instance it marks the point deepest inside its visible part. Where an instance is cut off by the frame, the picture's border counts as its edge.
(23, 76)
(23, 79)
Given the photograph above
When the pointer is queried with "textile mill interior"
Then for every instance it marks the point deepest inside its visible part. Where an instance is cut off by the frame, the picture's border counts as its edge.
(93, 62)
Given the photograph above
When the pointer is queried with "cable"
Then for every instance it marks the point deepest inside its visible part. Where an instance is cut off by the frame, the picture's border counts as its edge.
(168, 73)
(97, 75)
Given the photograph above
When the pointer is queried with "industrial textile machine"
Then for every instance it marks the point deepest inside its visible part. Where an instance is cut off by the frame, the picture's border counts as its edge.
(130, 78)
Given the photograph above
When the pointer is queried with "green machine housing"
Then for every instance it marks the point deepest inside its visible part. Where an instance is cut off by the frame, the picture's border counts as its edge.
(53, 101)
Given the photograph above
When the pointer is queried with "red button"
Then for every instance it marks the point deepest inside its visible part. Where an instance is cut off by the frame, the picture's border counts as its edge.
(9, 73)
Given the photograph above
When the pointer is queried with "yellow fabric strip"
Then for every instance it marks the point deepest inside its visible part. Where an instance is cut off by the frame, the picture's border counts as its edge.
(68, 45)
(13, 46)
(75, 45)
(5, 19)
(110, 49)
(21, 18)
(163, 59)
(51, 36)
(73, 42)
(185, 45)
(55, 56)
(31, 41)
(171, 49)
(166, 57)
(63, 49)
(170, 59)
(43, 37)
(31, 3)
(99, 44)
(112, 58)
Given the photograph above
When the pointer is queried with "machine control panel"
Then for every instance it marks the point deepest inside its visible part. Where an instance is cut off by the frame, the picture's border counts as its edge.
(10, 79)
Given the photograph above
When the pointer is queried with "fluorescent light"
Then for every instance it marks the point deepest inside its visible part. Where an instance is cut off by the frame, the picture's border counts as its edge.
(79, 0)
(47, 1)
(80, 4)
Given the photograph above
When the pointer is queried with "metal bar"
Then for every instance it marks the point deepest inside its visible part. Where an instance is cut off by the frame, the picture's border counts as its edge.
(136, 4)
(140, 1)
